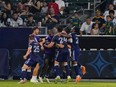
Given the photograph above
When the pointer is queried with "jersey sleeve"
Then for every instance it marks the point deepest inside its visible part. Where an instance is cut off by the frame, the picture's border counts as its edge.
(38, 39)
(30, 44)
(47, 38)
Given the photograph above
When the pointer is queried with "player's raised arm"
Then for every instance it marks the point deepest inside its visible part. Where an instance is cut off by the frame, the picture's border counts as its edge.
(59, 45)
(64, 34)
(49, 45)
(52, 42)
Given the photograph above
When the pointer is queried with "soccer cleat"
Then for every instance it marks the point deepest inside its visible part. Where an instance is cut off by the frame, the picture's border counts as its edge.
(78, 79)
(83, 68)
(57, 79)
(68, 78)
(34, 80)
(22, 81)
(40, 79)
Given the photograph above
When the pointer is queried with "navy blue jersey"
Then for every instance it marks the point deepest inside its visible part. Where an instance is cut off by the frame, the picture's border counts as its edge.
(48, 40)
(75, 41)
(61, 40)
(36, 47)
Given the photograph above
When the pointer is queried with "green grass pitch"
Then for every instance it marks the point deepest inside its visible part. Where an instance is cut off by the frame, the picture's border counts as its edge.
(69, 84)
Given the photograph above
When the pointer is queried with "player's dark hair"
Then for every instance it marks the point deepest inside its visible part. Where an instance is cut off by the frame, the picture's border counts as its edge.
(112, 11)
(59, 29)
(34, 29)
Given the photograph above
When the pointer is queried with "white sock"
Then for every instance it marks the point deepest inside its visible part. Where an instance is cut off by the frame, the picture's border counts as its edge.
(34, 77)
(29, 70)
(78, 76)
(81, 66)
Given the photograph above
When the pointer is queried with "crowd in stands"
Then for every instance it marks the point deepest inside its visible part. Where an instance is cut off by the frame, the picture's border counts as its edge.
(29, 13)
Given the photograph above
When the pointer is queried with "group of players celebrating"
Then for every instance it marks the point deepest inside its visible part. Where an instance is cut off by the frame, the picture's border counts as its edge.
(57, 48)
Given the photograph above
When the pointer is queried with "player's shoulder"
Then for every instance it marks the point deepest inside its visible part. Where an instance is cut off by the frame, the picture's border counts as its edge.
(72, 34)
(31, 35)
(37, 37)
(31, 43)
(47, 37)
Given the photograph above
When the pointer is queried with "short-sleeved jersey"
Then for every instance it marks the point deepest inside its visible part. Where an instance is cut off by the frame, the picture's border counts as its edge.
(36, 38)
(48, 40)
(75, 41)
(60, 40)
(35, 46)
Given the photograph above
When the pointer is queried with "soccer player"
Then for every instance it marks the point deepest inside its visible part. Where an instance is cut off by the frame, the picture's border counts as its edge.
(41, 61)
(62, 54)
(49, 56)
(75, 53)
(33, 56)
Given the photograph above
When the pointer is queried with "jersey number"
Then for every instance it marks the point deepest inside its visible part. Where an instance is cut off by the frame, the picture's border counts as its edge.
(77, 40)
(61, 40)
(36, 49)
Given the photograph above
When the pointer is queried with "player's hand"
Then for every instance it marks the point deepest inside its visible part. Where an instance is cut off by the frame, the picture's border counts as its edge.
(25, 57)
(43, 40)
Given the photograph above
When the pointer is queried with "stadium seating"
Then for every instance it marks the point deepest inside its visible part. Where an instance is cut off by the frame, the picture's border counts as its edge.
(75, 5)
(79, 1)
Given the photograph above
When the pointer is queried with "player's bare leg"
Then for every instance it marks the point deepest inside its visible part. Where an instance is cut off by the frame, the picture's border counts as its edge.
(35, 73)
